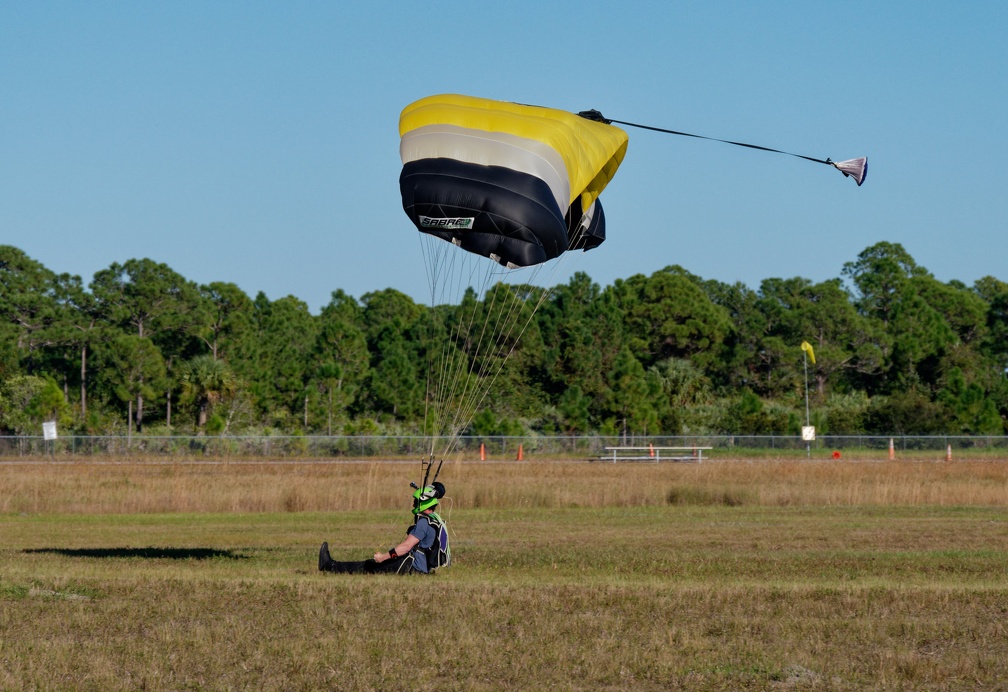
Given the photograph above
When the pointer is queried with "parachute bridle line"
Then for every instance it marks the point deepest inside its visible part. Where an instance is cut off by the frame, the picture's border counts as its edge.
(842, 166)
(826, 161)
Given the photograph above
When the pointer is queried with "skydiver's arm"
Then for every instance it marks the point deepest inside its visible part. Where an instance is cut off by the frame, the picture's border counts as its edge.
(407, 545)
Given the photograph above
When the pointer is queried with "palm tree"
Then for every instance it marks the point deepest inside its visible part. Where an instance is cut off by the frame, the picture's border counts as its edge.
(205, 381)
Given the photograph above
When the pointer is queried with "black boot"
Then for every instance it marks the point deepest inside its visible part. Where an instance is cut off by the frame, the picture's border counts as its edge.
(324, 561)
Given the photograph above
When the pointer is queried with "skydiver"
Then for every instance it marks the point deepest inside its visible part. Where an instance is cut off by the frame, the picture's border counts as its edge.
(424, 549)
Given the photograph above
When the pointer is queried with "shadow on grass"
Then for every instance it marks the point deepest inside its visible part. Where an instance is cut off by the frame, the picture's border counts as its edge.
(145, 553)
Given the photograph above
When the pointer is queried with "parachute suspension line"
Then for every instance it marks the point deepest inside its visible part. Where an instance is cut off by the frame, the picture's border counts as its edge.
(454, 375)
(475, 370)
(425, 468)
(544, 295)
(463, 337)
(431, 270)
(482, 336)
(441, 259)
(453, 272)
(446, 359)
(450, 380)
(434, 259)
(490, 334)
(504, 334)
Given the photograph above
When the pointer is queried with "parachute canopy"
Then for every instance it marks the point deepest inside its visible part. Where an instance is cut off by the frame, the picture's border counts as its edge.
(518, 184)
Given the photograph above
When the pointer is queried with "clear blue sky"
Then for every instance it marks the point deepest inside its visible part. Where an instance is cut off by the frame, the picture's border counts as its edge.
(257, 142)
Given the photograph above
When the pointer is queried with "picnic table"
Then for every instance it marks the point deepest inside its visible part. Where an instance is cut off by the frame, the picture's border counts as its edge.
(653, 454)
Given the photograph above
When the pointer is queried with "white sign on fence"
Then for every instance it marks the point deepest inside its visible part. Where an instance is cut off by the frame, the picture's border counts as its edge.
(49, 430)
(808, 433)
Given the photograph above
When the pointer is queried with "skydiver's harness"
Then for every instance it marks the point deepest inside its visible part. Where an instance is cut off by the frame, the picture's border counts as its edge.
(439, 552)
(426, 497)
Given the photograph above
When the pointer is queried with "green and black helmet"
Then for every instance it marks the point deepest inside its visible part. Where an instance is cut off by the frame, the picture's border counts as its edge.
(427, 497)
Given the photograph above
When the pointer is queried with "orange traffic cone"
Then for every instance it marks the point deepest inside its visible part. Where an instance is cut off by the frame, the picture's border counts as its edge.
(892, 450)
(651, 446)
(948, 453)
(482, 452)
(521, 455)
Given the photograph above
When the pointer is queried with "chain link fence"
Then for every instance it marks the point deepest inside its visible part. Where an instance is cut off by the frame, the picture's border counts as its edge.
(491, 448)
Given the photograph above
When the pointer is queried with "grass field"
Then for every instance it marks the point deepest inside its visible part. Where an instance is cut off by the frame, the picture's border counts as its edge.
(726, 575)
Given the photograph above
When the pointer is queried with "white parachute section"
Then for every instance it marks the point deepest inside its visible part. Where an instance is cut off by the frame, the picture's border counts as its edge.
(853, 168)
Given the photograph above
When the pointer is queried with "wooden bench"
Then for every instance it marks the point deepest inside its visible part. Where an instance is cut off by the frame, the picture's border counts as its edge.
(653, 454)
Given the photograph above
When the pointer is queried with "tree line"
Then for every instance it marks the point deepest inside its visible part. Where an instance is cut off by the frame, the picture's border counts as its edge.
(142, 348)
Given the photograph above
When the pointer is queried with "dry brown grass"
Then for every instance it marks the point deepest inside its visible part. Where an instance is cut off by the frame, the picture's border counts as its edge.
(124, 488)
(727, 575)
